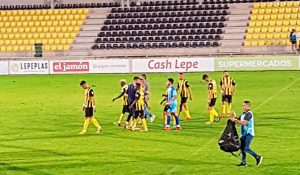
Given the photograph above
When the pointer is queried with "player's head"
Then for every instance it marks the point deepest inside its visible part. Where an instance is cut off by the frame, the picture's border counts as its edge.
(226, 73)
(205, 78)
(144, 77)
(181, 76)
(83, 84)
(122, 82)
(170, 81)
(246, 105)
(135, 79)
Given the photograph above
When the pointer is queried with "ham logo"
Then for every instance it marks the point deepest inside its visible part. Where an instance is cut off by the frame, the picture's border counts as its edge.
(71, 66)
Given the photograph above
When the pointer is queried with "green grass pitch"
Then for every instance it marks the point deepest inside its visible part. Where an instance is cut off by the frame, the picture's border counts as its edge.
(41, 116)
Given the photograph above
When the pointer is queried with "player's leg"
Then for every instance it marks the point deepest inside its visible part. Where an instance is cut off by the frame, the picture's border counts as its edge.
(243, 144)
(229, 102)
(178, 127)
(88, 115)
(212, 112)
(144, 122)
(96, 124)
(223, 105)
(180, 106)
(167, 127)
(124, 110)
(186, 111)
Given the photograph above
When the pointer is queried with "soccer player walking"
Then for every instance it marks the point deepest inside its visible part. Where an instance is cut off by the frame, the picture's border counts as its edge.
(124, 97)
(146, 87)
(89, 107)
(212, 98)
(246, 120)
(131, 97)
(171, 105)
(185, 93)
(227, 86)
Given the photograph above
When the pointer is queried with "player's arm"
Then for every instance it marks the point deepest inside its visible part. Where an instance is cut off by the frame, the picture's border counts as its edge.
(121, 95)
(137, 96)
(189, 90)
(172, 100)
(164, 99)
(221, 87)
(244, 122)
(210, 92)
(233, 87)
(93, 103)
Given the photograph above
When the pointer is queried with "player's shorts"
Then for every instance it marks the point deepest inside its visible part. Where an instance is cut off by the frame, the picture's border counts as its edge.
(89, 112)
(125, 109)
(139, 113)
(166, 108)
(183, 100)
(172, 108)
(227, 98)
(212, 102)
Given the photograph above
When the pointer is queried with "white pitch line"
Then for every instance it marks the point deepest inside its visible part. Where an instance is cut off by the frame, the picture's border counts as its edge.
(277, 93)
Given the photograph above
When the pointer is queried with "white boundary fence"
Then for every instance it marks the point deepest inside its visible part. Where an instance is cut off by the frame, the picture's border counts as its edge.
(147, 65)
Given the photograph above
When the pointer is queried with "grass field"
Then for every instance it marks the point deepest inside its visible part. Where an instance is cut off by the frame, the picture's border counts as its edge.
(41, 116)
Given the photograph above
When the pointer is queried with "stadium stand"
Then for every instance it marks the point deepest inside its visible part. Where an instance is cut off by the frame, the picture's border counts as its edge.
(157, 28)
(55, 29)
(271, 23)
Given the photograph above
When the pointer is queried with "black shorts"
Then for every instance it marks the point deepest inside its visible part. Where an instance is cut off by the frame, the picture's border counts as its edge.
(212, 102)
(294, 42)
(89, 112)
(183, 100)
(139, 113)
(125, 109)
(166, 108)
(227, 98)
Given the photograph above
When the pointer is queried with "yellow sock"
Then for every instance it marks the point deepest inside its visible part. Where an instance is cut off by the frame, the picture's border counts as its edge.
(86, 124)
(165, 120)
(95, 122)
(211, 116)
(229, 108)
(144, 124)
(121, 118)
(223, 109)
(187, 113)
(139, 120)
(134, 123)
(215, 113)
(174, 120)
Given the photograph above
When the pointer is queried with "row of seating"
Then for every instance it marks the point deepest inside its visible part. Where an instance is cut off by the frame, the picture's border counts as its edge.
(263, 36)
(22, 48)
(160, 32)
(159, 38)
(18, 36)
(44, 12)
(41, 24)
(27, 29)
(165, 20)
(164, 3)
(233, 1)
(163, 26)
(167, 14)
(156, 45)
(48, 18)
(276, 4)
(295, 16)
(33, 41)
(274, 23)
(59, 6)
(281, 10)
(279, 42)
(170, 8)
(280, 29)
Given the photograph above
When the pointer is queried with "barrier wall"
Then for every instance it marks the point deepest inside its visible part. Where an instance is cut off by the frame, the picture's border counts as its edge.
(173, 64)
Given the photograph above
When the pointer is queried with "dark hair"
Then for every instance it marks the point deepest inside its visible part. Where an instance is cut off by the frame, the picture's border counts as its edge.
(144, 75)
(225, 71)
(180, 73)
(171, 80)
(204, 77)
(82, 82)
(247, 102)
(136, 78)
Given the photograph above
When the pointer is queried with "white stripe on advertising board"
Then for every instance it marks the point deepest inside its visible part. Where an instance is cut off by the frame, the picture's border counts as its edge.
(3, 67)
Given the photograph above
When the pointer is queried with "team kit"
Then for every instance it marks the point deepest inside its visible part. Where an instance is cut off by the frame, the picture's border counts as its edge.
(135, 98)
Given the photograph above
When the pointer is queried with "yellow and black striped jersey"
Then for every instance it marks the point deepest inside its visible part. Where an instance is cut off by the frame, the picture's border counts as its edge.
(227, 85)
(125, 96)
(89, 93)
(212, 88)
(139, 96)
(183, 86)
